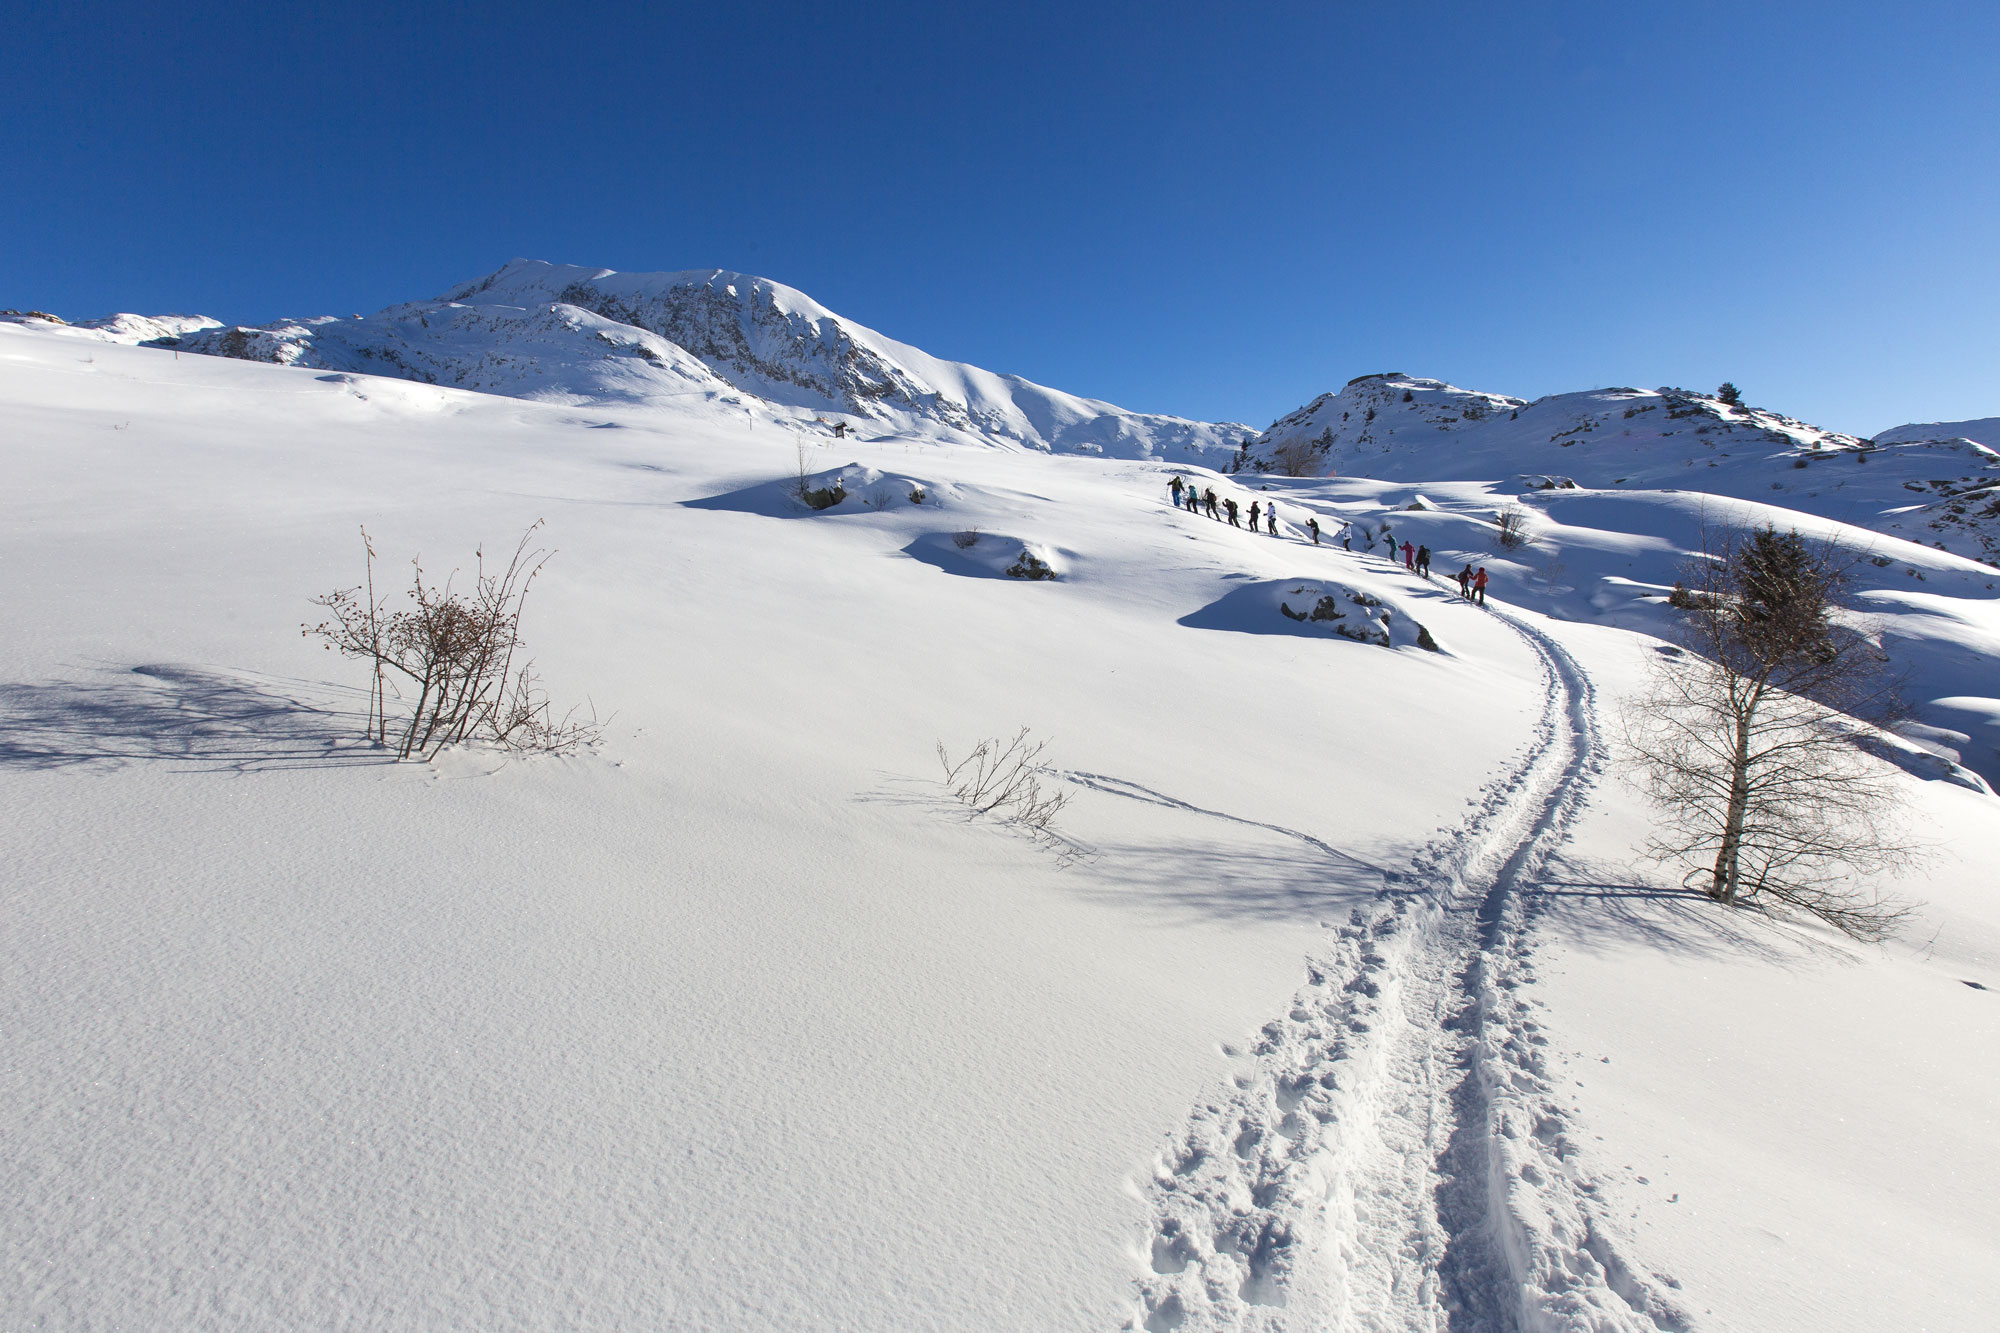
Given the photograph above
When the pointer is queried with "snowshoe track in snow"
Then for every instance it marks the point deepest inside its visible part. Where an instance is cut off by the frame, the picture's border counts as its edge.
(1390, 1153)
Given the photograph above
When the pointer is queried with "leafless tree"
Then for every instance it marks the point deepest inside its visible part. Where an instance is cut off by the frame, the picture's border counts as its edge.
(1296, 456)
(451, 658)
(1744, 738)
(1004, 778)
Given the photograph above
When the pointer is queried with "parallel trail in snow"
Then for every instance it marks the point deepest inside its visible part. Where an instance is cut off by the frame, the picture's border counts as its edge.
(1389, 1153)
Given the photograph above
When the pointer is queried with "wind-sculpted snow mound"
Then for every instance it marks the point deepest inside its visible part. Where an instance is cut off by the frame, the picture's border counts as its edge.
(539, 330)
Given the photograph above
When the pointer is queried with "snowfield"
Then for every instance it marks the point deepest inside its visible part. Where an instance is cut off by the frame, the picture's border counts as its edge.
(1338, 999)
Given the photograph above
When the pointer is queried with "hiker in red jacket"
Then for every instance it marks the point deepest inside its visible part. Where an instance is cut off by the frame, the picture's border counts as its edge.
(1479, 586)
(1409, 556)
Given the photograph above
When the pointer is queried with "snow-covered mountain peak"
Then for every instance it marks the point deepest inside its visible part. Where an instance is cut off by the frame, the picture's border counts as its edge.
(535, 329)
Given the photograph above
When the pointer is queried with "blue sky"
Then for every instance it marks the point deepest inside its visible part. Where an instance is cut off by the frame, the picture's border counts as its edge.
(1209, 210)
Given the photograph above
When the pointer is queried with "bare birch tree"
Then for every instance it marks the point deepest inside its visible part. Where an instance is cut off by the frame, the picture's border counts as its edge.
(1744, 738)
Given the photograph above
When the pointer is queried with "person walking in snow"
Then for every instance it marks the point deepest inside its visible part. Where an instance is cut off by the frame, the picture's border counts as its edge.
(1271, 518)
(1347, 536)
(1175, 487)
(1312, 526)
(1479, 586)
(1208, 499)
(1424, 561)
(1390, 538)
(1465, 582)
(1230, 505)
(1409, 555)
(1253, 515)
(1193, 500)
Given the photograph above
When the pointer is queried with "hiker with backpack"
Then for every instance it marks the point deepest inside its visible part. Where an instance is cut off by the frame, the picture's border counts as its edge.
(1479, 586)
(1230, 506)
(1253, 515)
(1424, 561)
(1312, 526)
(1271, 518)
(1465, 582)
(1409, 555)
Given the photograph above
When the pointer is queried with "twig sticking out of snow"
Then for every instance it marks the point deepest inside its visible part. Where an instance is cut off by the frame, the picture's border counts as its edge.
(1003, 778)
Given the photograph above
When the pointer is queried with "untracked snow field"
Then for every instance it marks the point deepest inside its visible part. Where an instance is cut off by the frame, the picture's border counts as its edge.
(1340, 1000)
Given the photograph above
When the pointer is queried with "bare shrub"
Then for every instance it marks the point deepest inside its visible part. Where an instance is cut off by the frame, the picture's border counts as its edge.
(1513, 525)
(1004, 778)
(966, 540)
(450, 660)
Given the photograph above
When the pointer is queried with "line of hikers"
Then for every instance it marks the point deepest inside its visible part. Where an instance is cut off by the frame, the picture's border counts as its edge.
(1416, 559)
(1195, 502)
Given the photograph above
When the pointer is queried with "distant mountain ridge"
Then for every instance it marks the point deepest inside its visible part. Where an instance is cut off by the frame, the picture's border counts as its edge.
(743, 343)
(1936, 484)
(533, 329)
(1985, 430)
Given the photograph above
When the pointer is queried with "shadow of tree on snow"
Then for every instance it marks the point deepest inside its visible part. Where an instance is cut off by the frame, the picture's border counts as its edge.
(1594, 905)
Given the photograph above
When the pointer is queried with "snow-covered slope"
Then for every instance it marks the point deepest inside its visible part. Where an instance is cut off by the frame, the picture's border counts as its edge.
(1986, 431)
(132, 329)
(1908, 483)
(541, 330)
(127, 329)
(1340, 1000)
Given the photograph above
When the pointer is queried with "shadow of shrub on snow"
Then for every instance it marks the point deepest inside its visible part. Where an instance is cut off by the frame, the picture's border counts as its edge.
(186, 716)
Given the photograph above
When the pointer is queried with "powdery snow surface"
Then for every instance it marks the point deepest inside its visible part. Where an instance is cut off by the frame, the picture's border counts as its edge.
(1339, 1000)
